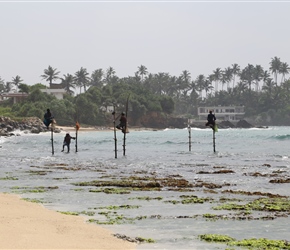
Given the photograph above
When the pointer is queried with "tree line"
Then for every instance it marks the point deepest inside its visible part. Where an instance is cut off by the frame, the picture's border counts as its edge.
(263, 92)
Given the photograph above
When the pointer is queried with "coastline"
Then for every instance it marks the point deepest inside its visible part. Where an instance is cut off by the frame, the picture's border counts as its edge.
(26, 225)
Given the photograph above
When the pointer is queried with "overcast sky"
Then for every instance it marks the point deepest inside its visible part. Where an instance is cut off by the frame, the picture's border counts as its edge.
(198, 36)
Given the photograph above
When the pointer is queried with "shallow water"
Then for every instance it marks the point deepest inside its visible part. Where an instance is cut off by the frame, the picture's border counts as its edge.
(159, 154)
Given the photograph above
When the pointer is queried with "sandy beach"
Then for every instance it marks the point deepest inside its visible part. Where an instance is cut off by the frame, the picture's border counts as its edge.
(26, 225)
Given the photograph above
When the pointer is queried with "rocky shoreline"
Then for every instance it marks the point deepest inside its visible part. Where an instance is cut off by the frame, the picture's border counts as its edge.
(28, 125)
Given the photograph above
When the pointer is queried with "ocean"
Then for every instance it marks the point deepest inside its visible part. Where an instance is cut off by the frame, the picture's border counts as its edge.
(159, 190)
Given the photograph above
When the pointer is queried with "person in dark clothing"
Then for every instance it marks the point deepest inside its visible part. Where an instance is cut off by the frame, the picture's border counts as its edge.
(47, 118)
(210, 119)
(66, 142)
(123, 123)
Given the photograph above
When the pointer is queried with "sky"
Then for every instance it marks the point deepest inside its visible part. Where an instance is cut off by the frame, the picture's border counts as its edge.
(164, 36)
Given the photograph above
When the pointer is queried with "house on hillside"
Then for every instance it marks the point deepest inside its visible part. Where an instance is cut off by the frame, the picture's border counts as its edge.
(55, 89)
(17, 97)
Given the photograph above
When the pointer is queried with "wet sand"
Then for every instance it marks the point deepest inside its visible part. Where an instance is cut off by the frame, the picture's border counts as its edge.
(26, 225)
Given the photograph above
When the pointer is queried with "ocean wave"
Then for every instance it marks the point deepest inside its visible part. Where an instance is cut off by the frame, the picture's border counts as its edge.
(281, 137)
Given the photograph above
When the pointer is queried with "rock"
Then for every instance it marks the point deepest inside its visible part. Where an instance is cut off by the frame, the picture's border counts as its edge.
(9, 128)
(35, 130)
(243, 124)
(226, 124)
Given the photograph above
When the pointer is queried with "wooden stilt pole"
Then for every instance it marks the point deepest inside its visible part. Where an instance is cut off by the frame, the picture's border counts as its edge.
(126, 129)
(52, 146)
(213, 134)
(115, 136)
(189, 137)
(76, 139)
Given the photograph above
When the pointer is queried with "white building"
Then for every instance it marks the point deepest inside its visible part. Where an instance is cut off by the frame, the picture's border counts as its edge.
(58, 93)
(222, 113)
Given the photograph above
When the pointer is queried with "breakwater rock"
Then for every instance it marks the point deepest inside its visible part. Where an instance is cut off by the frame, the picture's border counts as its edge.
(28, 125)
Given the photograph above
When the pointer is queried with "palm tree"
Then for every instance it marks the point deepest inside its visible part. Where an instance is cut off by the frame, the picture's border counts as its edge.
(241, 87)
(200, 83)
(7, 87)
(265, 77)
(258, 75)
(193, 89)
(97, 78)
(68, 82)
(142, 70)
(160, 81)
(284, 70)
(207, 86)
(172, 88)
(247, 75)
(235, 72)
(224, 80)
(110, 73)
(210, 78)
(269, 86)
(275, 67)
(228, 75)
(16, 81)
(50, 74)
(82, 79)
(217, 75)
(184, 81)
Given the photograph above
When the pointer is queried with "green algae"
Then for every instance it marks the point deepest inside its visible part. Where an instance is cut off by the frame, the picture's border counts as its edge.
(113, 207)
(145, 240)
(261, 204)
(261, 243)
(146, 198)
(111, 191)
(141, 183)
(216, 238)
(112, 219)
(189, 199)
(253, 243)
(8, 178)
(40, 189)
(33, 200)
(270, 195)
(69, 213)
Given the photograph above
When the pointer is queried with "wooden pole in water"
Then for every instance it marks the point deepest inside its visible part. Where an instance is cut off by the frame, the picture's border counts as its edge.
(115, 136)
(213, 134)
(76, 138)
(124, 140)
(189, 136)
(126, 129)
(52, 146)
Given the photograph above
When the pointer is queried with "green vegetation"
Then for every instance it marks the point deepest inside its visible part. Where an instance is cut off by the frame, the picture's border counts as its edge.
(8, 178)
(261, 204)
(145, 240)
(40, 189)
(146, 198)
(69, 213)
(215, 238)
(264, 93)
(112, 207)
(247, 243)
(111, 191)
(33, 200)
